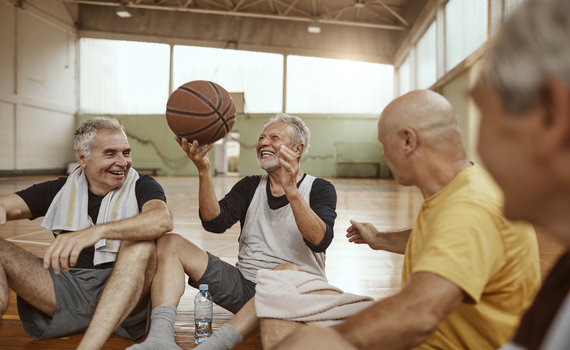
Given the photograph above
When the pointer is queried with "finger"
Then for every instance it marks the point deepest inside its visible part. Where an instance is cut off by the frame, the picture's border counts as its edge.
(206, 148)
(359, 226)
(74, 255)
(285, 164)
(64, 259)
(178, 140)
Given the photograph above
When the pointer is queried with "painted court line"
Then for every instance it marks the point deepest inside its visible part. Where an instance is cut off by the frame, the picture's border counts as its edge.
(27, 234)
(31, 242)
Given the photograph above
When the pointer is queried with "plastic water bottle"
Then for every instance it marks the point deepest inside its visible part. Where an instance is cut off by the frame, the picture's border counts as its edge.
(203, 313)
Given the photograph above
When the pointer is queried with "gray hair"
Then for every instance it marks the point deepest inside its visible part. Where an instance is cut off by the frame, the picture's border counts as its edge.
(85, 133)
(302, 133)
(534, 45)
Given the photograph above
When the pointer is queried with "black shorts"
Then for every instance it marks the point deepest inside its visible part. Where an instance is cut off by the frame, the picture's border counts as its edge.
(226, 284)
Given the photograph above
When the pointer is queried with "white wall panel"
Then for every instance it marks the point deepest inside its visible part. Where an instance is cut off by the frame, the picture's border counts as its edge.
(7, 140)
(7, 47)
(45, 139)
(48, 61)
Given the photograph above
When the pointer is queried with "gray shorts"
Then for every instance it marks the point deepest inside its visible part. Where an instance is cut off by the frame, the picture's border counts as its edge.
(77, 293)
(227, 285)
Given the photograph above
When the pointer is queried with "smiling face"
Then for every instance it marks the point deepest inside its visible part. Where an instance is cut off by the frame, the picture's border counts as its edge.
(270, 141)
(109, 164)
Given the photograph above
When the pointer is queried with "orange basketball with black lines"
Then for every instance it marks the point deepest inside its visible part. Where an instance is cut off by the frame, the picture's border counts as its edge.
(200, 110)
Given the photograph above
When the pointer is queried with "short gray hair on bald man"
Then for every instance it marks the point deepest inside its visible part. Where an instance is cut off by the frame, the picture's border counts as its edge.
(85, 133)
(534, 44)
(302, 134)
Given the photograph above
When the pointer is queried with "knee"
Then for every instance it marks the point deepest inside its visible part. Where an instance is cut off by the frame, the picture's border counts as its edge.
(287, 266)
(139, 250)
(170, 243)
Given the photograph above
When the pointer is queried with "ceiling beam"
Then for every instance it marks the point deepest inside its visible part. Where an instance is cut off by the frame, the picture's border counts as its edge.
(393, 12)
(244, 14)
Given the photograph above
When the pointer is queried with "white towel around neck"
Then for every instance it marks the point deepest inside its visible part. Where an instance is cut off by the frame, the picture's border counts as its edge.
(68, 210)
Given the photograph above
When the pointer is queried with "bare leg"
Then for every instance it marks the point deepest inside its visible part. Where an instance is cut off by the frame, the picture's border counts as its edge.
(273, 331)
(128, 284)
(25, 274)
(177, 257)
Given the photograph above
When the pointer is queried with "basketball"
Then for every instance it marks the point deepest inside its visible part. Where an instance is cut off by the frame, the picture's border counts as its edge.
(200, 110)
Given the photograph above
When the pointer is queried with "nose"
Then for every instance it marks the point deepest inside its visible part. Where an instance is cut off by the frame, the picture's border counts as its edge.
(264, 141)
(122, 161)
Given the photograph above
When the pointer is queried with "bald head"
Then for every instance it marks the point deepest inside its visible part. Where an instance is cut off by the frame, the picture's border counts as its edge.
(429, 115)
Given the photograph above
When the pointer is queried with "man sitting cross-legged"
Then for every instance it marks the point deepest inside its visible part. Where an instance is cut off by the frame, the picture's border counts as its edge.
(104, 211)
(286, 216)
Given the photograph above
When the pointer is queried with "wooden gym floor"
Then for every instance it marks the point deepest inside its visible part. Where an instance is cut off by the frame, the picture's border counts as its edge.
(353, 268)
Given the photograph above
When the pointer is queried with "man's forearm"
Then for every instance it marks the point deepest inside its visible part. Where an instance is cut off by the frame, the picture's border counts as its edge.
(308, 222)
(392, 241)
(208, 203)
(405, 320)
(153, 222)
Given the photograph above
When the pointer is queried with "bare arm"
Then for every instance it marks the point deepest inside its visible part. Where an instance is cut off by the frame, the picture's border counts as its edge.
(207, 201)
(308, 222)
(13, 207)
(391, 241)
(406, 319)
(153, 222)
(402, 321)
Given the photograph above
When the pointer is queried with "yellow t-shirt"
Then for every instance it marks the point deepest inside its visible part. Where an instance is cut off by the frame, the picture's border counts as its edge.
(462, 235)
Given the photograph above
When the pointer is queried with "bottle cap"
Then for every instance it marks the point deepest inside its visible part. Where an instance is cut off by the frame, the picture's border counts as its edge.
(203, 287)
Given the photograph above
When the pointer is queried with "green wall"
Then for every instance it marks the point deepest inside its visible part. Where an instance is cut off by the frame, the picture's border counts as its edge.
(153, 145)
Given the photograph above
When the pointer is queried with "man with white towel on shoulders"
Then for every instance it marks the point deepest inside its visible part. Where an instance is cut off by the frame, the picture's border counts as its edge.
(96, 274)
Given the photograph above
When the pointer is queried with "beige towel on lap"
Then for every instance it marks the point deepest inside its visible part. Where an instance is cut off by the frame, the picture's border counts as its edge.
(282, 294)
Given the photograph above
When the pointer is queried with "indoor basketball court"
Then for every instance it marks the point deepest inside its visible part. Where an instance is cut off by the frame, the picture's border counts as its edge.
(334, 63)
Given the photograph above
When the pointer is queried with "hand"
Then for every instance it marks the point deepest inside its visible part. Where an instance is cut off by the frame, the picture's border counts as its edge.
(197, 154)
(362, 233)
(289, 168)
(66, 247)
(314, 338)
(8, 215)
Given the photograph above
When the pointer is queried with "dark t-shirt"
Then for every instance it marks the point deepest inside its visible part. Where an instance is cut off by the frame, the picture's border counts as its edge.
(39, 197)
(538, 319)
(233, 207)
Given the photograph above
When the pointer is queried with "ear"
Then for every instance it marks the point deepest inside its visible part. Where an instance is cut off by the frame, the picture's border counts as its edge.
(555, 115)
(555, 122)
(81, 159)
(409, 140)
(299, 149)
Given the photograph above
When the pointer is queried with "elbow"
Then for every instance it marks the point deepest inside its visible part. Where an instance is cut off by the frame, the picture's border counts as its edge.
(167, 224)
(421, 328)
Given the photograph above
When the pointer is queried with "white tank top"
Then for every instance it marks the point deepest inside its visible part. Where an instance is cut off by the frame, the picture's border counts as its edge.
(270, 236)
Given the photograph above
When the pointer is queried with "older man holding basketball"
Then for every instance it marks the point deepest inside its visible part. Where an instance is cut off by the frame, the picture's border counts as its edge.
(96, 274)
(286, 217)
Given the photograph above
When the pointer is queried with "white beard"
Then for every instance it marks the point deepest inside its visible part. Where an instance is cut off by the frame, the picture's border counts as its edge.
(268, 164)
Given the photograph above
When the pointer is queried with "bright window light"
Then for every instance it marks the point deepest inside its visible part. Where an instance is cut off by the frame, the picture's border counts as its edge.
(123, 77)
(465, 29)
(258, 75)
(426, 63)
(320, 85)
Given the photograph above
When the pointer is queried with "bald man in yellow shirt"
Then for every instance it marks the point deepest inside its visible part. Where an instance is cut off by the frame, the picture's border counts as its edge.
(469, 273)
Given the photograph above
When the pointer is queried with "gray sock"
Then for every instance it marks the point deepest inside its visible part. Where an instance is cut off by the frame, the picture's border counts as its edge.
(225, 338)
(161, 334)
